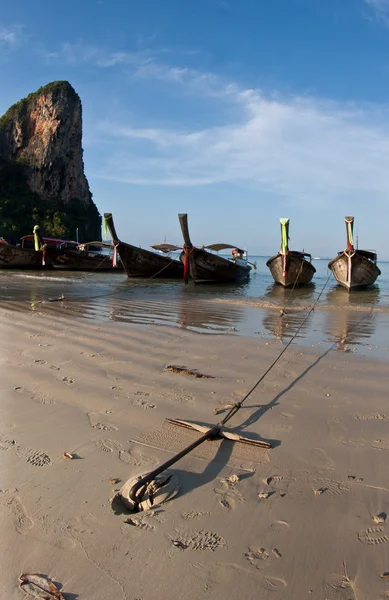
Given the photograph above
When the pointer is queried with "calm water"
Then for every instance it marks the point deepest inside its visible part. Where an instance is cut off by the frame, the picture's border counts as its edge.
(354, 322)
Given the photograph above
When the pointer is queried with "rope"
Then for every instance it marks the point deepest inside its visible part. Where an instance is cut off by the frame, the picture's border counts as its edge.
(239, 404)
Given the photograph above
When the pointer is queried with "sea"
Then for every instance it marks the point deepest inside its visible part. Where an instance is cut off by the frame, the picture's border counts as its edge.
(349, 322)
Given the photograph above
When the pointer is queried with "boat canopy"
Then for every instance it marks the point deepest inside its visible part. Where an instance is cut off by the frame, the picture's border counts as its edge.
(218, 247)
(99, 244)
(46, 239)
(166, 247)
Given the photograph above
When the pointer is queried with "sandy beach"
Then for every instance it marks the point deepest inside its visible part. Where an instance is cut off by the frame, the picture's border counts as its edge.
(304, 520)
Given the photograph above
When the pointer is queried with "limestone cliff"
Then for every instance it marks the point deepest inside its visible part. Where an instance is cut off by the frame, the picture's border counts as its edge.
(42, 135)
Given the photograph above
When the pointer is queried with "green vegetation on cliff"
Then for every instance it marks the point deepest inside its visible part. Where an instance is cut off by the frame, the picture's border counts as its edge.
(19, 109)
(24, 167)
(21, 209)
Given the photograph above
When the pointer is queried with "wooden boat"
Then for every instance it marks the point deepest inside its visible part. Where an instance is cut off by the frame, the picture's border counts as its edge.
(16, 257)
(354, 268)
(290, 267)
(25, 256)
(91, 256)
(138, 262)
(203, 266)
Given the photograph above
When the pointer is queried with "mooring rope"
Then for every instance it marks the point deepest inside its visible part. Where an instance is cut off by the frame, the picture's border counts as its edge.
(234, 409)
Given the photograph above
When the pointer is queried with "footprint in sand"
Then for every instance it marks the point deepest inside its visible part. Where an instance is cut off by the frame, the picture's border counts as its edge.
(6, 442)
(22, 521)
(199, 539)
(227, 493)
(332, 487)
(35, 396)
(135, 457)
(108, 445)
(141, 403)
(380, 444)
(279, 526)
(96, 424)
(34, 457)
(189, 516)
(373, 416)
(339, 587)
(322, 460)
(227, 576)
(374, 536)
(258, 557)
(274, 584)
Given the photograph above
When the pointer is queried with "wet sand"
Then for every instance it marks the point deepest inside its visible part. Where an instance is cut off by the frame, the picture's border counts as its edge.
(306, 519)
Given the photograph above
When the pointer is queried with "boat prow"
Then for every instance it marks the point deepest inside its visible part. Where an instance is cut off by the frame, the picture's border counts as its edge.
(353, 268)
(138, 262)
(203, 266)
(290, 267)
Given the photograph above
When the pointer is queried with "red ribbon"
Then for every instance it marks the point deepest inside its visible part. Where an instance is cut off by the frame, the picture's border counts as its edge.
(187, 251)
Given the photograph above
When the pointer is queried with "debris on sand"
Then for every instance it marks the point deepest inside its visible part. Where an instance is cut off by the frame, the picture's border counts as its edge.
(182, 370)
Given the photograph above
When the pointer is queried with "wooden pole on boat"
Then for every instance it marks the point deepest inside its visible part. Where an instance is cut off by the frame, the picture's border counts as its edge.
(284, 244)
(349, 230)
(110, 224)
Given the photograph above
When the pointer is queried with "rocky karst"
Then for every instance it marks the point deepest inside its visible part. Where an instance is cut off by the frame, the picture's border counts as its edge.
(40, 140)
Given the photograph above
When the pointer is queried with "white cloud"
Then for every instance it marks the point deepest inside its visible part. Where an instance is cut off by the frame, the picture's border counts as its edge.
(306, 149)
(80, 54)
(381, 9)
(11, 37)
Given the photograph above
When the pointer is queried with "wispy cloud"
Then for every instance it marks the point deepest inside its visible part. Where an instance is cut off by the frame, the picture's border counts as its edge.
(381, 9)
(304, 148)
(80, 54)
(11, 37)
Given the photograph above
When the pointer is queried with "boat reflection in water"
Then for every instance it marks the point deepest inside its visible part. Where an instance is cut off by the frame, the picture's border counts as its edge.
(337, 296)
(349, 328)
(279, 295)
(284, 326)
(351, 323)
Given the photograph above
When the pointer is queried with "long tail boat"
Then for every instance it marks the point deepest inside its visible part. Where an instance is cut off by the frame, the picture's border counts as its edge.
(16, 257)
(138, 262)
(33, 252)
(354, 268)
(90, 256)
(203, 266)
(290, 267)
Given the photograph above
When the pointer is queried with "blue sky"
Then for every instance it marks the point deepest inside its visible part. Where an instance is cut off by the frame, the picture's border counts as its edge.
(236, 111)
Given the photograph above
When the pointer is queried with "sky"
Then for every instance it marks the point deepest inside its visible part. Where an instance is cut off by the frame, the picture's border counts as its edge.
(237, 112)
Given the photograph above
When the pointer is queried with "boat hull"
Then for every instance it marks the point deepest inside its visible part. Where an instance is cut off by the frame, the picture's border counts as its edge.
(354, 271)
(205, 267)
(138, 262)
(13, 257)
(79, 261)
(299, 271)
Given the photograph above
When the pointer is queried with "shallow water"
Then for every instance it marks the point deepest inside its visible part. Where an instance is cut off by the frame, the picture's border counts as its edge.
(356, 322)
